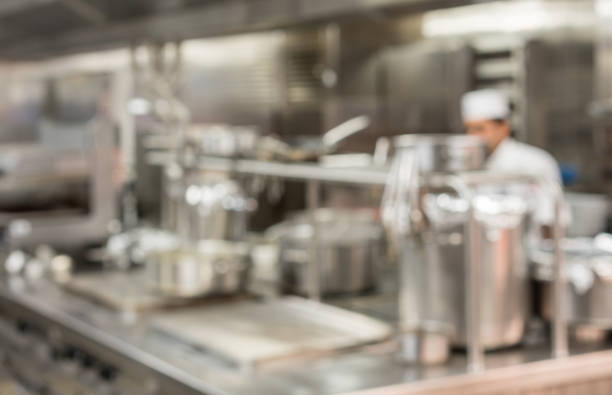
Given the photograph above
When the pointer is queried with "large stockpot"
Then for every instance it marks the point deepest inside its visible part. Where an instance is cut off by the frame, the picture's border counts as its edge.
(350, 251)
(429, 224)
(501, 223)
(207, 268)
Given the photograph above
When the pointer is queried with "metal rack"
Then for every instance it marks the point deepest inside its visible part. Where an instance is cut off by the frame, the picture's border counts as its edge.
(314, 174)
(370, 176)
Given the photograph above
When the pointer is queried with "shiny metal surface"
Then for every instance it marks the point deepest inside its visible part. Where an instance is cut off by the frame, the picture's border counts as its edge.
(559, 287)
(210, 267)
(448, 234)
(503, 277)
(212, 208)
(425, 98)
(160, 21)
(587, 288)
(130, 345)
(303, 148)
(35, 177)
(444, 153)
(126, 291)
(424, 347)
(260, 334)
(349, 250)
(62, 115)
(291, 171)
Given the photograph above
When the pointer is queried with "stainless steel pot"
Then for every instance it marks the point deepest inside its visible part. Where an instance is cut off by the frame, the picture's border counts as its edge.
(589, 286)
(351, 250)
(444, 152)
(213, 208)
(207, 268)
(502, 223)
(429, 224)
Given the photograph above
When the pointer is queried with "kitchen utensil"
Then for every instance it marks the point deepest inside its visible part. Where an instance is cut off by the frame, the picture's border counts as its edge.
(211, 267)
(311, 147)
(428, 224)
(351, 251)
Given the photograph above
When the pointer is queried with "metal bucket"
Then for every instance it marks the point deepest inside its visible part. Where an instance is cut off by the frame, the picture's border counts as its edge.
(440, 264)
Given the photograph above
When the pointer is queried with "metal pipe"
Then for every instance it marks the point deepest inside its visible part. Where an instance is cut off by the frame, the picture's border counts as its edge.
(314, 262)
(560, 339)
(473, 283)
(473, 271)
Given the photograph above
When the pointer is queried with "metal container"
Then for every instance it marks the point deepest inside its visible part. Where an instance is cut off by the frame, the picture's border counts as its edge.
(213, 208)
(589, 286)
(207, 268)
(351, 250)
(502, 222)
(444, 152)
(302, 148)
(429, 223)
(435, 257)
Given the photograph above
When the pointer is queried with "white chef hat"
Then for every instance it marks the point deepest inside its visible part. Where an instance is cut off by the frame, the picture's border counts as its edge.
(484, 104)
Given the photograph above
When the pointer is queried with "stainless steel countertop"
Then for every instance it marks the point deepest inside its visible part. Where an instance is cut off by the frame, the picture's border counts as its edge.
(132, 337)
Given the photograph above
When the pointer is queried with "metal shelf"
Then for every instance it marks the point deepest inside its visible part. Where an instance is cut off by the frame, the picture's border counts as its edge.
(292, 171)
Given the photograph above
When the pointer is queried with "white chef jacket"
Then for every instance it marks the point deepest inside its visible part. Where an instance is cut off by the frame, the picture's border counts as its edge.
(516, 157)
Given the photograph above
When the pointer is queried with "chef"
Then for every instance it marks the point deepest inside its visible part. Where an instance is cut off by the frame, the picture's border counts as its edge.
(486, 114)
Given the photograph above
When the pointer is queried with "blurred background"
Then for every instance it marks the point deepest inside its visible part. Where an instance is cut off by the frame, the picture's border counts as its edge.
(262, 134)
